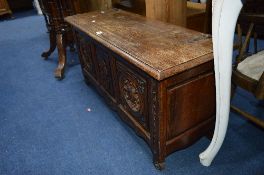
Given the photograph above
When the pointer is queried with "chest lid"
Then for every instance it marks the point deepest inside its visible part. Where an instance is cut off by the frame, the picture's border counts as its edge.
(160, 49)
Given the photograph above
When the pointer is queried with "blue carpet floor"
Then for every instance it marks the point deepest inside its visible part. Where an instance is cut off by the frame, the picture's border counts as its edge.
(46, 129)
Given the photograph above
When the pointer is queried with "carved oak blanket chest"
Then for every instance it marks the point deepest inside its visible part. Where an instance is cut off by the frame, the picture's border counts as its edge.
(158, 77)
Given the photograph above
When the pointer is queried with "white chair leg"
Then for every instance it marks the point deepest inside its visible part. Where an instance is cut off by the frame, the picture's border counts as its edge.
(36, 4)
(225, 14)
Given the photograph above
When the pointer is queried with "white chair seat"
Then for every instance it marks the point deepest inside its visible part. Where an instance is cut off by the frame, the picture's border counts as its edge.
(252, 66)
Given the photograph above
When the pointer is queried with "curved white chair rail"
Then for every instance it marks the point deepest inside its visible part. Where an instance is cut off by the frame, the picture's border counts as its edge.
(225, 14)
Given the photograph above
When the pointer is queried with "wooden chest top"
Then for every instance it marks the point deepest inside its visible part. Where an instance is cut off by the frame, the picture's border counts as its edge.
(158, 48)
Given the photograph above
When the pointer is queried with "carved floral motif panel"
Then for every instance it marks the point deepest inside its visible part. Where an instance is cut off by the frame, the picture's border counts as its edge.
(133, 93)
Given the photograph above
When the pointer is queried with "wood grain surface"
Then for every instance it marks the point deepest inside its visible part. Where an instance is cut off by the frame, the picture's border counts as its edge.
(135, 38)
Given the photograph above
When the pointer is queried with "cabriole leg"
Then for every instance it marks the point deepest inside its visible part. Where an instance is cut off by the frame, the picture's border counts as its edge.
(225, 14)
(52, 37)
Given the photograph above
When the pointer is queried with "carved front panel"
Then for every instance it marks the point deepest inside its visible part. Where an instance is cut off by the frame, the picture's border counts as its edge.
(85, 55)
(103, 60)
(133, 93)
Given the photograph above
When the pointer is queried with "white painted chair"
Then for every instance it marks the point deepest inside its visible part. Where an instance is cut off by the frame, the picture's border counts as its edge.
(225, 14)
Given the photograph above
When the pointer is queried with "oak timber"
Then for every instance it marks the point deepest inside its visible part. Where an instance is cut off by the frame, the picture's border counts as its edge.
(157, 76)
(138, 41)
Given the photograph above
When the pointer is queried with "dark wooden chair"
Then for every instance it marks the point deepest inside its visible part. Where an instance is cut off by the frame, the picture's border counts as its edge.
(60, 32)
(248, 69)
(253, 7)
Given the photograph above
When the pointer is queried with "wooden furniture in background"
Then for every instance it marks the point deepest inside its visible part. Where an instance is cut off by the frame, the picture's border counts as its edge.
(155, 75)
(171, 11)
(17, 5)
(248, 70)
(99, 4)
(92, 5)
(199, 16)
(192, 15)
(253, 6)
(134, 6)
(4, 8)
(252, 9)
(60, 33)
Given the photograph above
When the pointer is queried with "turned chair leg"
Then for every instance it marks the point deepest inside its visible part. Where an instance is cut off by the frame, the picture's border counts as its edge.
(52, 37)
(59, 72)
(225, 14)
